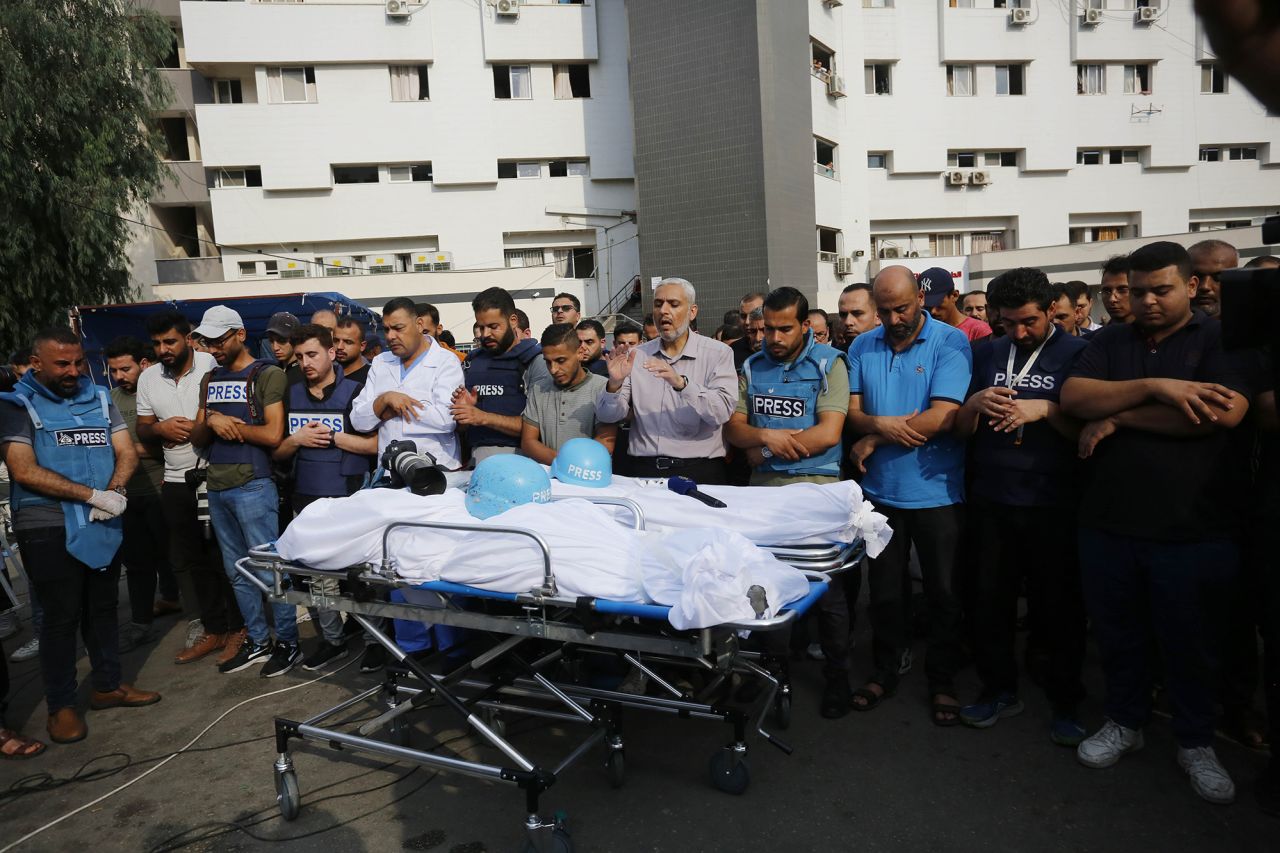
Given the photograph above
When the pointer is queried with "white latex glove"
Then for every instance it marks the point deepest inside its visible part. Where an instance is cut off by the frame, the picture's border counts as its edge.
(106, 505)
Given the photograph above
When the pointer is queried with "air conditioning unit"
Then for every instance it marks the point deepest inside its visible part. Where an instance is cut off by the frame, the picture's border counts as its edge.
(913, 254)
(979, 178)
(379, 265)
(844, 265)
(831, 4)
(507, 8)
(432, 261)
(1019, 16)
(337, 265)
(956, 178)
(397, 9)
(293, 269)
(1147, 14)
(835, 86)
(1093, 16)
(890, 252)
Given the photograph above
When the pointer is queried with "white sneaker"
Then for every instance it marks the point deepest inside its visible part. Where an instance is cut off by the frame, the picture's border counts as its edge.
(1107, 745)
(27, 651)
(1209, 778)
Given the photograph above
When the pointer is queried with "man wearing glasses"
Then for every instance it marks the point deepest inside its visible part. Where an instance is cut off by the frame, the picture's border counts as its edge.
(566, 308)
(1208, 258)
(1114, 290)
(241, 421)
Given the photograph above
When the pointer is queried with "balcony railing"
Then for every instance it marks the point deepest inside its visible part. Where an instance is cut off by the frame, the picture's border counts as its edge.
(825, 171)
(183, 270)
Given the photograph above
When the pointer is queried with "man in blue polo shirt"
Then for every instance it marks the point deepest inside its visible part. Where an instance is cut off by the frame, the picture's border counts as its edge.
(1160, 509)
(907, 380)
(1024, 485)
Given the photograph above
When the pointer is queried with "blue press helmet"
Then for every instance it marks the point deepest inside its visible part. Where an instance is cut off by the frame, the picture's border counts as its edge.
(505, 481)
(583, 462)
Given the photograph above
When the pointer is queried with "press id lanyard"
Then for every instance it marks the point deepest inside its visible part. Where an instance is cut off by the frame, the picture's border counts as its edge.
(1011, 380)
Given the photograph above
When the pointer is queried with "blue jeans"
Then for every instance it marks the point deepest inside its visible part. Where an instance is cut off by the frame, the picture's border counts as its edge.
(1135, 589)
(243, 518)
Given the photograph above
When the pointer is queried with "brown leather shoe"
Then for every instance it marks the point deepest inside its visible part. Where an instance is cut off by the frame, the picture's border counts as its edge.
(124, 696)
(163, 607)
(66, 726)
(234, 640)
(207, 644)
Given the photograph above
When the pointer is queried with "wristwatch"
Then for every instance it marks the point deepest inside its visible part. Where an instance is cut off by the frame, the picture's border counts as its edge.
(121, 491)
(686, 382)
(766, 453)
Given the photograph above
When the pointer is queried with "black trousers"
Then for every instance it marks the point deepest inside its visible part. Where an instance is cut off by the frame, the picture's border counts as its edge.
(1269, 621)
(75, 598)
(196, 561)
(1041, 542)
(935, 532)
(704, 472)
(145, 553)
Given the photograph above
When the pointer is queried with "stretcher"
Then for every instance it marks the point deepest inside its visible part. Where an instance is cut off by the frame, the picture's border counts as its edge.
(527, 659)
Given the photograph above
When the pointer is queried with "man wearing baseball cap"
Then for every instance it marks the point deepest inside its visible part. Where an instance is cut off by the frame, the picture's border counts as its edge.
(241, 421)
(943, 301)
(280, 329)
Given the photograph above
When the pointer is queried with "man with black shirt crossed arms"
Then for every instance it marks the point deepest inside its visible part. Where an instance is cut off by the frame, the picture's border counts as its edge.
(1157, 515)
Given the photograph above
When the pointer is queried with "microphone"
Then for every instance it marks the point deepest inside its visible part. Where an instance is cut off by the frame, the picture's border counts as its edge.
(685, 486)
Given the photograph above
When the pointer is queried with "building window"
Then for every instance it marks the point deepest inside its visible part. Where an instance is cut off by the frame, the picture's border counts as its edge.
(824, 61)
(232, 178)
(572, 81)
(876, 78)
(1097, 233)
(575, 263)
(247, 268)
(1210, 154)
(960, 80)
(962, 159)
(409, 82)
(355, 174)
(227, 92)
(1000, 158)
(292, 84)
(567, 168)
(511, 82)
(986, 241)
(513, 169)
(824, 157)
(271, 269)
(1088, 158)
(1112, 156)
(1242, 153)
(877, 4)
(962, 4)
(412, 173)
(1220, 225)
(1213, 80)
(1091, 79)
(942, 245)
(1214, 154)
(523, 257)
(1120, 156)
(1011, 80)
(828, 244)
(877, 160)
(1137, 79)
(175, 139)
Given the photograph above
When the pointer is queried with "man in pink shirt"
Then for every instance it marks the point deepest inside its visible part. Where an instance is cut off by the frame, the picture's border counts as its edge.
(943, 301)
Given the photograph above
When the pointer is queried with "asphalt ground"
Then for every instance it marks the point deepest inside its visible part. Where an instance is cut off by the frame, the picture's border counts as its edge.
(883, 780)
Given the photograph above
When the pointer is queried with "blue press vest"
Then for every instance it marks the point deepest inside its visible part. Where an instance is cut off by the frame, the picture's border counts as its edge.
(499, 382)
(323, 471)
(785, 396)
(226, 396)
(72, 438)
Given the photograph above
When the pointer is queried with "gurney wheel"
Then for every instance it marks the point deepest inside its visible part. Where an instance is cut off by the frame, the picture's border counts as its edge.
(616, 767)
(287, 794)
(560, 843)
(729, 771)
(782, 711)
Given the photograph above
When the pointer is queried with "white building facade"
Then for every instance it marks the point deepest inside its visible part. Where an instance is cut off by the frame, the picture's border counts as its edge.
(406, 149)
(960, 127)
(353, 140)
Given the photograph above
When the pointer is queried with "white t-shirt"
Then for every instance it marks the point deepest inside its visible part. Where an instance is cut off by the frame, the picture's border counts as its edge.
(162, 397)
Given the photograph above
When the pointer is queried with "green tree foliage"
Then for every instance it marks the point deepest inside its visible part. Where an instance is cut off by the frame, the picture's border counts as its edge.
(78, 148)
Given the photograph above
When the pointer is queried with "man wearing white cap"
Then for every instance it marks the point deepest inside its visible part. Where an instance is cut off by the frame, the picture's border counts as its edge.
(241, 420)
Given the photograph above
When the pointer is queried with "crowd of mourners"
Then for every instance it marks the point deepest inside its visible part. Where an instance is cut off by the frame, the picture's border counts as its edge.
(1043, 473)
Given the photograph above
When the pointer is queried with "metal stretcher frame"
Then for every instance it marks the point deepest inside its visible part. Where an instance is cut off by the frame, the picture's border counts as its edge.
(500, 680)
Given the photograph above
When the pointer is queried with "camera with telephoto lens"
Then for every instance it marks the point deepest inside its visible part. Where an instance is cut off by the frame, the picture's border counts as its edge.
(197, 481)
(409, 468)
